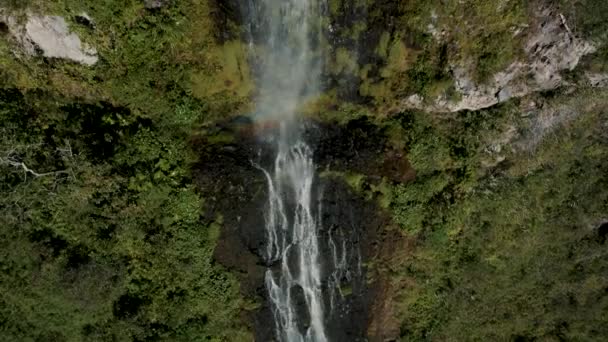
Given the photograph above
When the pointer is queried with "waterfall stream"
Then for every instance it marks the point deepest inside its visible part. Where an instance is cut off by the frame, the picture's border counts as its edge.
(302, 288)
(292, 238)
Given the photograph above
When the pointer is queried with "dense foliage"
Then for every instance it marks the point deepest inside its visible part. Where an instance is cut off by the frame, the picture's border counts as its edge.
(418, 41)
(101, 233)
(508, 226)
(102, 236)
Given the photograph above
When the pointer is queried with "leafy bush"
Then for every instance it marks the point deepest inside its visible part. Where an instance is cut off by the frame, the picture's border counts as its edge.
(101, 232)
(511, 251)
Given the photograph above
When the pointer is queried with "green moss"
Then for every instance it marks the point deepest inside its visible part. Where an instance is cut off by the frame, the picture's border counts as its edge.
(346, 290)
(345, 62)
(397, 59)
(233, 76)
(326, 107)
(354, 180)
(357, 30)
(334, 7)
(221, 138)
(381, 92)
(383, 45)
(383, 192)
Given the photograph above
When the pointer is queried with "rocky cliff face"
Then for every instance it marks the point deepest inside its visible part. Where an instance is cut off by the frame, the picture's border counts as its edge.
(449, 57)
(551, 48)
(351, 219)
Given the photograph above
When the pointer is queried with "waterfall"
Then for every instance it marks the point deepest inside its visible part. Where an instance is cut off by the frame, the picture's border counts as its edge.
(285, 38)
(289, 33)
(292, 239)
(290, 73)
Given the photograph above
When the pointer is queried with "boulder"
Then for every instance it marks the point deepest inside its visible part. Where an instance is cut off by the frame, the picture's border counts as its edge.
(48, 36)
(51, 36)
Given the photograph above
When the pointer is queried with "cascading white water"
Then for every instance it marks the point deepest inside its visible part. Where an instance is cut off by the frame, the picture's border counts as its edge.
(289, 55)
(293, 239)
(290, 74)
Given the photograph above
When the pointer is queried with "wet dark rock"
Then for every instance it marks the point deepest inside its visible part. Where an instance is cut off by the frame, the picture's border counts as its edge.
(238, 191)
(226, 172)
(347, 87)
(227, 13)
(350, 219)
(362, 147)
(301, 308)
(230, 9)
(602, 232)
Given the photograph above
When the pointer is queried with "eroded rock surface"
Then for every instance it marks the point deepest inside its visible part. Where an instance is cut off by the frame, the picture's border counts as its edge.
(238, 191)
(50, 37)
(550, 49)
(597, 80)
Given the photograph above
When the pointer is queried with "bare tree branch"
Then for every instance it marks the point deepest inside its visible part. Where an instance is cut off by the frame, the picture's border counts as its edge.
(11, 157)
(10, 162)
(66, 150)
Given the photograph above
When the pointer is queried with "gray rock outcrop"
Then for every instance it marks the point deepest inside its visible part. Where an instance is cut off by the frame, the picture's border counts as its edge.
(597, 80)
(550, 49)
(50, 36)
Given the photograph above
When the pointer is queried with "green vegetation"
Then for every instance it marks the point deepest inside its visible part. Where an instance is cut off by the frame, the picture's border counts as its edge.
(506, 250)
(422, 40)
(588, 18)
(149, 60)
(489, 34)
(101, 233)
